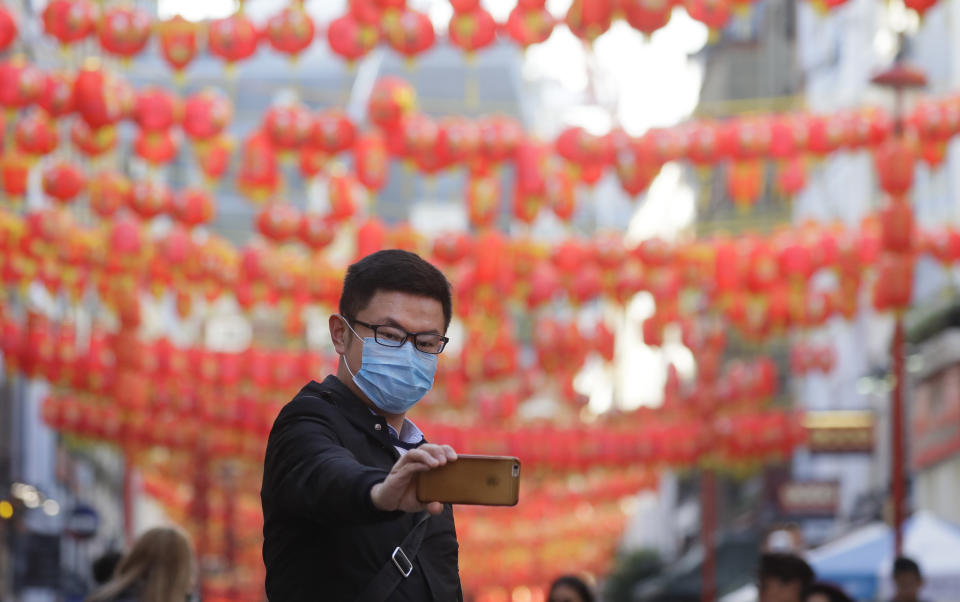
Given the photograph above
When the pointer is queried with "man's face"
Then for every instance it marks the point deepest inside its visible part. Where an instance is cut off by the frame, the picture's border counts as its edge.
(772, 589)
(907, 587)
(412, 313)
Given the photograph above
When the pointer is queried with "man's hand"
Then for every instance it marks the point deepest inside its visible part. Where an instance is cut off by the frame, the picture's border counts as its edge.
(399, 490)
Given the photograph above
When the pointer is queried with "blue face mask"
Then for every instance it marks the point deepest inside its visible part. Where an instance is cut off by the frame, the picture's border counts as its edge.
(394, 378)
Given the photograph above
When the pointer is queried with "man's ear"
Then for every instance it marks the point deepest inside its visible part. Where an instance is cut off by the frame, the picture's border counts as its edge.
(339, 333)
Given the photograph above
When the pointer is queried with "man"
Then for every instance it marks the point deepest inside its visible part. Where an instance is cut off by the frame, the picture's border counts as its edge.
(341, 517)
(784, 577)
(907, 580)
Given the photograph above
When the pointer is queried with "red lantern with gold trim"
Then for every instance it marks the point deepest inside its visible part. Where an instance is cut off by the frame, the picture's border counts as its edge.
(316, 231)
(214, 156)
(233, 38)
(713, 13)
(792, 177)
(63, 181)
(56, 97)
(20, 83)
(897, 226)
(193, 207)
(100, 97)
(108, 192)
(290, 31)
(150, 198)
(472, 30)
(895, 163)
(258, 175)
(499, 138)
(483, 199)
(14, 169)
(391, 100)
(206, 114)
(332, 132)
(409, 32)
(125, 31)
(529, 25)
(157, 109)
(92, 142)
(352, 38)
(745, 183)
(8, 28)
(647, 16)
(288, 125)
(36, 134)
(589, 19)
(179, 40)
(69, 21)
(278, 221)
(371, 160)
(156, 147)
(893, 287)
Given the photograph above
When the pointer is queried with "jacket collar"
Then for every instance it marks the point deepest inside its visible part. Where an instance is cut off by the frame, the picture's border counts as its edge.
(353, 409)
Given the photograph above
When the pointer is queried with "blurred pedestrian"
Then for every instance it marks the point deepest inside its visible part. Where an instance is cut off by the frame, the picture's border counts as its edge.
(159, 568)
(570, 588)
(907, 580)
(341, 519)
(784, 577)
(105, 565)
(826, 592)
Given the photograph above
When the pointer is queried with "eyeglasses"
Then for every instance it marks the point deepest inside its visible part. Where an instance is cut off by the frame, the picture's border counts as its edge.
(394, 336)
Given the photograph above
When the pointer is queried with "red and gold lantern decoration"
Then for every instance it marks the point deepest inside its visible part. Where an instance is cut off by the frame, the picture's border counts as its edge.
(206, 114)
(36, 134)
(647, 16)
(157, 109)
(589, 19)
(92, 142)
(290, 31)
(528, 25)
(352, 38)
(108, 191)
(371, 160)
(472, 29)
(391, 100)
(56, 98)
(193, 207)
(63, 182)
(8, 28)
(100, 97)
(150, 198)
(124, 31)
(69, 21)
(179, 40)
(233, 38)
(20, 83)
(409, 32)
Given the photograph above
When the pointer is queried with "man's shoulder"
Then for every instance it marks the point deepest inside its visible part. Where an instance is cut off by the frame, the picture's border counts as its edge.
(313, 400)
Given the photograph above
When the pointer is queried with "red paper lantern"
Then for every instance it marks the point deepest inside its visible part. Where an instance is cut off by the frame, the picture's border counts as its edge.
(14, 169)
(20, 83)
(352, 38)
(635, 164)
(332, 132)
(316, 231)
(290, 31)
(933, 152)
(371, 236)
(36, 134)
(156, 147)
(588, 19)
(894, 284)
(92, 142)
(156, 109)
(896, 224)
(342, 193)
(921, 6)
(788, 136)
(108, 192)
(371, 161)
(451, 248)
(529, 25)
(278, 221)
(178, 42)
(56, 98)
(287, 125)
(743, 139)
(713, 13)
(233, 38)
(647, 16)
(826, 133)
(100, 97)
(206, 114)
(745, 183)
(894, 162)
(409, 32)
(63, 181)
(391, 100)
(483, 199)
(499, 138)
(8, 28)
(472, 29)
(258, 175)
(214, 156)
(69, 20)
(124, 31)
(150, 198)
(792, 177)
(193, 207)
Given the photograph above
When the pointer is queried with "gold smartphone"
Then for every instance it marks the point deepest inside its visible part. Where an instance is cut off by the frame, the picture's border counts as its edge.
(476, 480)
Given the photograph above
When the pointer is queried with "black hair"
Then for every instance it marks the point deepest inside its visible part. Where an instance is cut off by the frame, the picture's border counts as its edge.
(105, 565)
(786, 568)
(393, 270)
(831, 591)
(576, 584)
(903, 565)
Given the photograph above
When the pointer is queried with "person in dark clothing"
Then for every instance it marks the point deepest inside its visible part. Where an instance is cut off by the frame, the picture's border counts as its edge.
(104, 566)
(784, 577)
(570, 588)
(826, 592)
(907, 580)
(341, 517)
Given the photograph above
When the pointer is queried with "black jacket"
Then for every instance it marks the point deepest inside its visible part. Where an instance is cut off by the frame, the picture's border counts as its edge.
(323, 537)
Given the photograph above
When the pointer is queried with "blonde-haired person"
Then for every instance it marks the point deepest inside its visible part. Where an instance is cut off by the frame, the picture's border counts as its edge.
(159, 568)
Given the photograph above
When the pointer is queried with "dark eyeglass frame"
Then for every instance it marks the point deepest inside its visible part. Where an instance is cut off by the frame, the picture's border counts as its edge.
(406, 335)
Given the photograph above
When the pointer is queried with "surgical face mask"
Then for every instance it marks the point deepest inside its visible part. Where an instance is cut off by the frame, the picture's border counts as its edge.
(394, 378)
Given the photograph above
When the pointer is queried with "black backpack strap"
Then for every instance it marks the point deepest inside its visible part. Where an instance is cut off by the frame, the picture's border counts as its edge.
(398, 567)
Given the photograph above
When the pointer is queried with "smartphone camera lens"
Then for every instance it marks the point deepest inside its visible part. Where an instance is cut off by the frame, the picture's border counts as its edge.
(516, 470)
